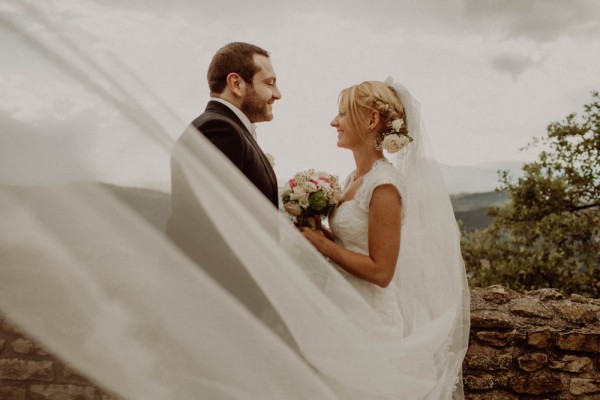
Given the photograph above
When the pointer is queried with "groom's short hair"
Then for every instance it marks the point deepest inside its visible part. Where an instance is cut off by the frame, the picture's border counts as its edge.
(234, 57)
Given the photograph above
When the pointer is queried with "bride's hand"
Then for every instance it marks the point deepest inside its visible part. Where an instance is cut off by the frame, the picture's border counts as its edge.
(317, 238)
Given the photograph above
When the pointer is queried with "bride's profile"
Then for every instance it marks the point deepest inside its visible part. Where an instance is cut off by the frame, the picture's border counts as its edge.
(86, 268)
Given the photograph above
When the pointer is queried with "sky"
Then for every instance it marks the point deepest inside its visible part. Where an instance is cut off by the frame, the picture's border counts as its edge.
(489, 74)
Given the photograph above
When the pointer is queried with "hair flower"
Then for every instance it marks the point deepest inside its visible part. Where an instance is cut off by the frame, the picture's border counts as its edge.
(394, 138)
(397, 124)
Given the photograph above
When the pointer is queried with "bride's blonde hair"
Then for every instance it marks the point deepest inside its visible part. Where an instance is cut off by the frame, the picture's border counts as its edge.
(359, 100)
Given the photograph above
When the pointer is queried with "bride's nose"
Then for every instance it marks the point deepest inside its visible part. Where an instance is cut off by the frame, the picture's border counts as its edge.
(334, 122)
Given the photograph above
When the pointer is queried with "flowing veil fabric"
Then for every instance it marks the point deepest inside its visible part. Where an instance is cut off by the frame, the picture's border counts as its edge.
(89, 267)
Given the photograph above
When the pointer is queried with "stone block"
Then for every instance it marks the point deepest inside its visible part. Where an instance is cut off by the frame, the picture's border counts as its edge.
(532, 362)
(482, 382)
(22, 346)
(489, 362)
(491, 319)
(41, 351)
(503, 379)
(579, 341)
(109, 397)
(497, 339)
(538, 383)
(580, 386)
(499, 294)
(581, 314)
(528, 307)
(63, 392)
(19, 370)
(9, 328)
(539, 337)
(490, 395)
(546, 294)
(595, 302)
(572, 364)
(67, 374)
(577, 298)
(13, 393)
(500, 339)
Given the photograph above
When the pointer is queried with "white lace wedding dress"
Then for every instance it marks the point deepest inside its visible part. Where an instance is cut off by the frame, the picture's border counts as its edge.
(350, 225)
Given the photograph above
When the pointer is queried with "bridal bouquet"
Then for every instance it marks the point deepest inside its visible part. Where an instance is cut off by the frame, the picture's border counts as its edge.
(310, 194)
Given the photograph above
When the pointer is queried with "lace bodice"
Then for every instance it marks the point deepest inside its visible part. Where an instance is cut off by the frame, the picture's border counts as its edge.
(350, 225)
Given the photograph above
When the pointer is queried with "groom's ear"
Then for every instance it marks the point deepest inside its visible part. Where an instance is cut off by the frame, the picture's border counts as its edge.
(236, 84)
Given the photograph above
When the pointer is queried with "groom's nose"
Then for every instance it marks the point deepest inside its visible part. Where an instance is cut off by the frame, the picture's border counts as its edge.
(276, 93)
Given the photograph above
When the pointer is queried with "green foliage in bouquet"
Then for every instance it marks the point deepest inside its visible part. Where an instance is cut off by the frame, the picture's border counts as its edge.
(548, 234)
(318, 201)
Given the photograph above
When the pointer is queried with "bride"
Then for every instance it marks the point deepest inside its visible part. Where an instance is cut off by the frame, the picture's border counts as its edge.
(365, 237)
(87, 271)
(393, 230)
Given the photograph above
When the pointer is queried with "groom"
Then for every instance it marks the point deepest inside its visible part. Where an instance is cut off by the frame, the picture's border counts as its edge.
(243, 89)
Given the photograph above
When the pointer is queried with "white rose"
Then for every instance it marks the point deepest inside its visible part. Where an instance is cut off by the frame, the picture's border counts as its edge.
(299, 189)
(397, 124)
(309, 187)
(293, 209)
(323, 184)
(393, 143)
(300, 195)
(404, 140)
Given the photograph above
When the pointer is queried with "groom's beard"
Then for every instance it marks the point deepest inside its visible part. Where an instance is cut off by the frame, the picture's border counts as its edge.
(256, 109)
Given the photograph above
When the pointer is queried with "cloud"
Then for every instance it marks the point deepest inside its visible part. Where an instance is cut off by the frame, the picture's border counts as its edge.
(538, 20)
(56, 131)
(443, 51)
(235, 16)
(513, 64)
(40, 154)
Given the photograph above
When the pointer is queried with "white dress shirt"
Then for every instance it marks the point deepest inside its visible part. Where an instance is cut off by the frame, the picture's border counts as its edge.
(249, 125)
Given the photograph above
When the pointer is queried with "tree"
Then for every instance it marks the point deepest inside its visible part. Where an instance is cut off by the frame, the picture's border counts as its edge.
(548, 234)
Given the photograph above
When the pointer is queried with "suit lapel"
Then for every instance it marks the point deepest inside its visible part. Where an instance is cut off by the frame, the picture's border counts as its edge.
(222, 109)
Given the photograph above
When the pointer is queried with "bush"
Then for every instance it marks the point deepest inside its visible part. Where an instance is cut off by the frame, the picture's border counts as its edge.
(548, 234)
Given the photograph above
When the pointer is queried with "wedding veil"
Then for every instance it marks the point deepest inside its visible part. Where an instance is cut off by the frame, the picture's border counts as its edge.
(87, 269)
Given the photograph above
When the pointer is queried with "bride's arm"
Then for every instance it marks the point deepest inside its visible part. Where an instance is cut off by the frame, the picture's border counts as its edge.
(384, 240)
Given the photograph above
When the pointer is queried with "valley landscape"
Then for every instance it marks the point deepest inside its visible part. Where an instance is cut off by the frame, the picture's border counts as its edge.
(472, 191)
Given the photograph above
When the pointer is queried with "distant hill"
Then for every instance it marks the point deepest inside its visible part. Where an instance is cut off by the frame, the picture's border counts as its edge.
(474, 219)
(155, 206)
(473, 201)
(152, 205)
(472, 208)
(477, 178)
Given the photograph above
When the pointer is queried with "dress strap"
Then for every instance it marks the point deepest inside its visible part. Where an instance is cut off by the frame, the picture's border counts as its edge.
(382, 173)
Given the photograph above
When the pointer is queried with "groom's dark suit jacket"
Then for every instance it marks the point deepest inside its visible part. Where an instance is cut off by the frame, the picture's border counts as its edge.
(190, 225)
(224, 129)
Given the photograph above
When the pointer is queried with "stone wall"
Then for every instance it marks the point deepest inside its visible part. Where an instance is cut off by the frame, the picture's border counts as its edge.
(534, 346)
(28, 372)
